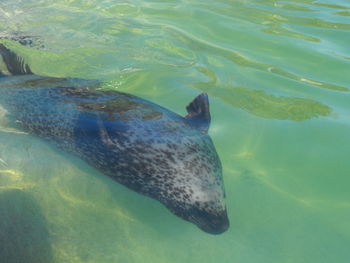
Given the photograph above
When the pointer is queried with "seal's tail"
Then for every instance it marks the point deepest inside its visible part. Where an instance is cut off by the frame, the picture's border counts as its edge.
(14, 63)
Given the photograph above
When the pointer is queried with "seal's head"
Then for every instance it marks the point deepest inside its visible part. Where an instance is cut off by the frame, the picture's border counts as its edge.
(169, 158)
(205, 205)
(178, 165)
(196, 193)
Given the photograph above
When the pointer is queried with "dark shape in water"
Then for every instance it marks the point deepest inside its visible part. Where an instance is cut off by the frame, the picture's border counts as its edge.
(143, 146)
(23, 229)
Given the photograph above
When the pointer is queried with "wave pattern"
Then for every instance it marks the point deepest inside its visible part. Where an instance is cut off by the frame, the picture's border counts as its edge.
(277, 74)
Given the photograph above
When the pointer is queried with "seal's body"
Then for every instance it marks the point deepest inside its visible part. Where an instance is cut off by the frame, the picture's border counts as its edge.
(143, 146)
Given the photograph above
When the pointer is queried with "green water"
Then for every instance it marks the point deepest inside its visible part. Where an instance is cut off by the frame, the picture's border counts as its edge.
(277, 73)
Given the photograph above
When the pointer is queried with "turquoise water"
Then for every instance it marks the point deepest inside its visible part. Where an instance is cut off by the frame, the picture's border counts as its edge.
(277, 73)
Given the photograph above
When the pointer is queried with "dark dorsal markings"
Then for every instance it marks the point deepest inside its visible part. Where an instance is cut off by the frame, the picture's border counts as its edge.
(198, 110)
(121, 105)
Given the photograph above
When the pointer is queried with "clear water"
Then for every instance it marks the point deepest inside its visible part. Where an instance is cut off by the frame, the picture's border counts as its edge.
(277, 73)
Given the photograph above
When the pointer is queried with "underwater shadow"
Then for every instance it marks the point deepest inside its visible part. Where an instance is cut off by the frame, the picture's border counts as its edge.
(24, 237)
(269, 106)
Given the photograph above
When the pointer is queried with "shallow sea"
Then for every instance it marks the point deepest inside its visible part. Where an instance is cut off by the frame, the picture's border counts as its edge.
(278, 77)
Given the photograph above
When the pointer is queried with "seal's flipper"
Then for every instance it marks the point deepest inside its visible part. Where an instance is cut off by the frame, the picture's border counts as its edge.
(14, 63)
(198, 112)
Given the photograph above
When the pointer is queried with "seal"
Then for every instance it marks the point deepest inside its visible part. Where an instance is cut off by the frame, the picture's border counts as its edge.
(139, 144)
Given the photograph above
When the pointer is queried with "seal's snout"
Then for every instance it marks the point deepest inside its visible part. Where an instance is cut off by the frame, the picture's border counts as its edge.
(212, 223)
(218, 225)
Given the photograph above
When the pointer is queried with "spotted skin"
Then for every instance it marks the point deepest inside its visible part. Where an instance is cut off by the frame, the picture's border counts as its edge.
(141, 145)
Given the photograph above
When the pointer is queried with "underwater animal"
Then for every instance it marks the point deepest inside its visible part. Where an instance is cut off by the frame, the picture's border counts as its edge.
(139, 144)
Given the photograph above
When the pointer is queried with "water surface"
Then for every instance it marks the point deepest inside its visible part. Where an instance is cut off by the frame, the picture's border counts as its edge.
(277, 73)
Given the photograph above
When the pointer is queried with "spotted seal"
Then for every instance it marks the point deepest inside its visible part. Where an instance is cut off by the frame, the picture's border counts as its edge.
(139, 144)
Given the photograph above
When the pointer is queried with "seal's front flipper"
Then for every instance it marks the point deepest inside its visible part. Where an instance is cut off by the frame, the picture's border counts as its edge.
(14, 63)
(198, 112)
